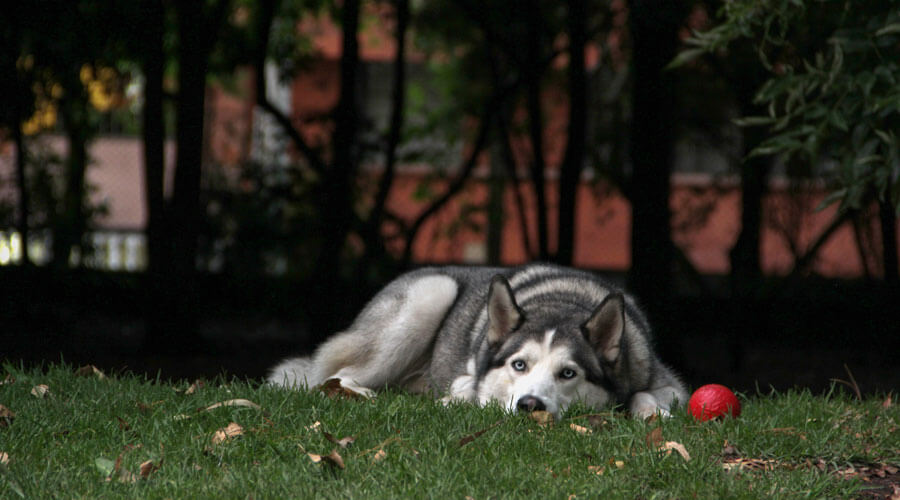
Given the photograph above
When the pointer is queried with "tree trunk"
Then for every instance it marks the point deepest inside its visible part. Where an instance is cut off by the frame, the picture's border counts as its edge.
(71, 225)
(889, 242)
(158, 283)
(495, 207)
(21, 182)
(173, 318)
(337, 188)
(536, 125)
(570, 174)
(154, 135)
(509, 163)
(654, 26)
(746, 272)
(185, 203)
(745, 254)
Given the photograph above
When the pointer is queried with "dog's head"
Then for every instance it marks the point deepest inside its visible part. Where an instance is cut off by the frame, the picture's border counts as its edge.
(551, 353)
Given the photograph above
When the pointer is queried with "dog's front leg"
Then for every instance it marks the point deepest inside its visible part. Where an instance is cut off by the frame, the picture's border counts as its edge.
(645, 405)
(657, 401)
(463, 387)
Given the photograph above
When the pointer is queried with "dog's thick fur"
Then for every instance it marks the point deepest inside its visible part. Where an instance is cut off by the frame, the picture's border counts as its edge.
(533, 337)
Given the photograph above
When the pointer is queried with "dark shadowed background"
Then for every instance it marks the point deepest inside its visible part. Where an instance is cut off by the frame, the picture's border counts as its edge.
(188, 187)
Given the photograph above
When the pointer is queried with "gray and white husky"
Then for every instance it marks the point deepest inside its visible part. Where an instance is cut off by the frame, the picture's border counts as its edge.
(536, 337)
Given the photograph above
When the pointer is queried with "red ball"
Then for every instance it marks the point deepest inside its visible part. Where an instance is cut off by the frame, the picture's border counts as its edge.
(713, 401)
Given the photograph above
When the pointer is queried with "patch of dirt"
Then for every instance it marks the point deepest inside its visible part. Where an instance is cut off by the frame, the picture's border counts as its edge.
(880, 481)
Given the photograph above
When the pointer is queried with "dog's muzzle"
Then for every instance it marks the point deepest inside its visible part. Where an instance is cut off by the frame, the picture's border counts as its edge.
(530, 403)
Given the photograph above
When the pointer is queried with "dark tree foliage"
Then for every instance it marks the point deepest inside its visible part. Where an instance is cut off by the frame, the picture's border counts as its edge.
(830, 100)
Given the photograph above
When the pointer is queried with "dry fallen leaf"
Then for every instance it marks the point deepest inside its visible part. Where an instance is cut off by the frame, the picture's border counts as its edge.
(597, 421)
(579, 429)
(6, 416)
(148, 468)
(343, 442)
(379, 456)
(751, 464)
(89, 370)
(233, 402)
(144, 407)
(654, 438)
(126, 477)
(896, 494)
(565, 472)
(123, 475)
(334, 459)
(729, 449)
(4, 458)
(196, 386)
(230, 431)
(333, 388)
(543, 418)
(40, 391)
(472, 437)
(673, 445)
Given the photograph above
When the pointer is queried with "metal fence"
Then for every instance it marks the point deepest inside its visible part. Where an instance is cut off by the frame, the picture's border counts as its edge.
(109, 250)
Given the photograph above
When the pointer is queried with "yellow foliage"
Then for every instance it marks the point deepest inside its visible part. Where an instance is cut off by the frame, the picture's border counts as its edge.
(103, 91)
(102, 87)
(44, 118)
(25, 63)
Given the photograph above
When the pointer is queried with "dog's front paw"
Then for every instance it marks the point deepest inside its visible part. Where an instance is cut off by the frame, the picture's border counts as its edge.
(463, 387)
(645, 405)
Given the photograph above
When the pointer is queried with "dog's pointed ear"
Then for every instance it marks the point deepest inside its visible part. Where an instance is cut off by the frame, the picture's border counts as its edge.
(504, 315)
(606, 327)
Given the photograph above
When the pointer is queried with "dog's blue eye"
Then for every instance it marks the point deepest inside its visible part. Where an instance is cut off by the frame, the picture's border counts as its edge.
(518, 365)
(567, 373)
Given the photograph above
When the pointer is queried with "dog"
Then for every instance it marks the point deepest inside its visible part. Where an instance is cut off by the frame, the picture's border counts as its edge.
(535, 337)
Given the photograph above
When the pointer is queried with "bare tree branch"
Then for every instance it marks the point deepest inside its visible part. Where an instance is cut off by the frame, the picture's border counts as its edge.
(267, 9)
(466, 170)
(802, 263)
(396, 124)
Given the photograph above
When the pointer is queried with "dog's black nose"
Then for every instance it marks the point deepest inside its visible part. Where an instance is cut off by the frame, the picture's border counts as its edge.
(530, 403)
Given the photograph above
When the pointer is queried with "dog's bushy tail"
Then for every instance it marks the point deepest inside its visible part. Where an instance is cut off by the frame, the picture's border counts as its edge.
(294, 373)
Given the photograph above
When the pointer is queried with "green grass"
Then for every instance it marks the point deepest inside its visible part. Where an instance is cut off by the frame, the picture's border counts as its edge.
(66, 444)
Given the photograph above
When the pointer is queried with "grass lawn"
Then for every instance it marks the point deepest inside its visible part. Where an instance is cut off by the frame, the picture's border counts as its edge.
(68, 435)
